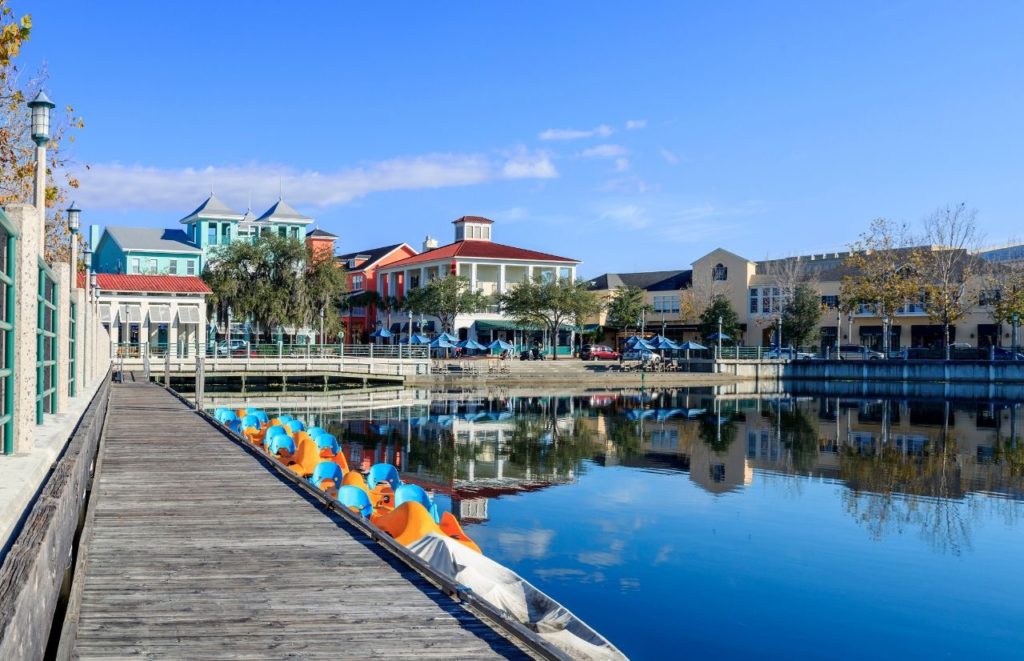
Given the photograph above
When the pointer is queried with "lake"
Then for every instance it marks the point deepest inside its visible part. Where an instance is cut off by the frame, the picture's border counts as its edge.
(684, 522)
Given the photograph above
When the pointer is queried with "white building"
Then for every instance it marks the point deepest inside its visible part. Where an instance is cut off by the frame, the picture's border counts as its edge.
(153, 312)
(492, 268)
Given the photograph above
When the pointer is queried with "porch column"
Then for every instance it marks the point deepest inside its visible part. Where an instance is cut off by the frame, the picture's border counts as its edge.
(26, 316)
(501, 279)
(172, 331)
(472, 276)
(423, 276)
(529, 272)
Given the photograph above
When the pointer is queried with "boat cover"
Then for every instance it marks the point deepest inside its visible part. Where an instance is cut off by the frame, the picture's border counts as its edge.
(511, 593)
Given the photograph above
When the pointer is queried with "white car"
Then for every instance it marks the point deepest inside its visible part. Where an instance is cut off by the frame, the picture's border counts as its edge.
(787, 353)
(641, 354)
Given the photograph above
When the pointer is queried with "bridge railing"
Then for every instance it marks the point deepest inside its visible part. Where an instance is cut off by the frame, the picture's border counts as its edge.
(277, 351)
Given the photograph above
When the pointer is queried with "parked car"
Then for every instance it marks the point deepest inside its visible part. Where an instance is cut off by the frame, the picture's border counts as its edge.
(598, 352)
(1002, 353)
(233, 348)
(645, 355)
(787, 353)
(857, 352)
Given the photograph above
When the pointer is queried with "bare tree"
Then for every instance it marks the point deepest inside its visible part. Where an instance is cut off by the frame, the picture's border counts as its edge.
(885, 272)
(1004, 294)
(703, 291)
(949, 268)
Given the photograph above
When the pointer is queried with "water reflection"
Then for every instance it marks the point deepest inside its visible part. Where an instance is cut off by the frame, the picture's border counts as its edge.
(906, 463)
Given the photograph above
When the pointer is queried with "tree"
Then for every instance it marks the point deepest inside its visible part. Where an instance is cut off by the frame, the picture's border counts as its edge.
(275, 282)
(885, 272)
(801, 315)
(446, 298)
(626, 307)
(785, 275)
(1005, 293)
(17, 151)
(949, 267)
(550, 303)
(719, 308)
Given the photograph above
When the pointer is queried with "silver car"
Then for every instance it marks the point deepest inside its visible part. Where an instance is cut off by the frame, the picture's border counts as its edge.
(857, 352)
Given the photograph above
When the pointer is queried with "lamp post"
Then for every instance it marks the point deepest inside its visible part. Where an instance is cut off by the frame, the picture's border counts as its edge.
(719, 336)
(74, 221)
(839, 330)
(41, 107)
(1016, 321)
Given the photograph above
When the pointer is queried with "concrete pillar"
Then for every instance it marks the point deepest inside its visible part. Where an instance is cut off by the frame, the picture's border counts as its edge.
(472, 276)
(172, 332)
(63, 273)
(423, 276)
(29, 246)
(501, 279)
(83, 334)
(529, 272)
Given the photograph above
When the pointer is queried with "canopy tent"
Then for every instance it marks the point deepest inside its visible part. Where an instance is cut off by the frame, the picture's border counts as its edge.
(637, 342)
(692, 346)
(441, 343)
(662, 342)
(420, 339)
(500, 345)
(471, 345)
(448, 337)
(381, 332)
(718, 336)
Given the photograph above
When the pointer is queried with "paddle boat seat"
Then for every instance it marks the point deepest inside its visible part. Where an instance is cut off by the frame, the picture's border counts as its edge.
(415, 493)
(326, 471)
(383, 473)
(305, 458)
(327, 444)
(450, 526)
(281, 446)
(355, 499)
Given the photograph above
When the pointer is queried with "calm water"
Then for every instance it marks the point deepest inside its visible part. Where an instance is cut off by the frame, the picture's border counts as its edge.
(678, 522)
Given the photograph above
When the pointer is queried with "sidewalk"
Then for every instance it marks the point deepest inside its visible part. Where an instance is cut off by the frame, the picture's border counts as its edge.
(21, 474)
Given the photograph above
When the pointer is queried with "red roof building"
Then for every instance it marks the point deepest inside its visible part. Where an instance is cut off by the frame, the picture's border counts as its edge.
(162, 284)
(361, 270)
(492, 268)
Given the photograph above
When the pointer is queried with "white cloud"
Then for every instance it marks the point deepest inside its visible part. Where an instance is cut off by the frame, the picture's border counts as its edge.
(634, 124)
(524, 164)
(621, 164)
(629, 184)
(669, 156)
(631, 216)
(602, 131)
(604, 151)
(117, 186)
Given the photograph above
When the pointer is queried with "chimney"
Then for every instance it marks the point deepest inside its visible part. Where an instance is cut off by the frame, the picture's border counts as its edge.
(429, 243)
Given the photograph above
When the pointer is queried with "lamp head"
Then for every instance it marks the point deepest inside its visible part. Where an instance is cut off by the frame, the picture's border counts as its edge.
(41, 107)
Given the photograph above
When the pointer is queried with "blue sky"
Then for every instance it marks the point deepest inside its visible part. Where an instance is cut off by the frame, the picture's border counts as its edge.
(631, 136)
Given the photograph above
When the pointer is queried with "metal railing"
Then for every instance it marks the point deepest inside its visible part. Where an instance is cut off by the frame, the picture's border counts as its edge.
(279, 351)
(46, 343)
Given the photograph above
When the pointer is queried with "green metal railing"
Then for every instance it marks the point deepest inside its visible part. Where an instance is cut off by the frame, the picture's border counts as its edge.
(72, 338)
(8, 236)
(46, 343)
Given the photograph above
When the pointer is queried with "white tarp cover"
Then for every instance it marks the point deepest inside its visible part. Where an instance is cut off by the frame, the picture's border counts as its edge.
(188, 314)
(509, 592)
(160, 314)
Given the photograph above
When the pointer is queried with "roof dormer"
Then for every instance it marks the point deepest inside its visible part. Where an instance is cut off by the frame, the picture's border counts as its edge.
(473, 228)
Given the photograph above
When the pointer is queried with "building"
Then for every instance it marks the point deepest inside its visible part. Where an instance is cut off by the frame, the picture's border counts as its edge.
(361, 271)
(146, 274)
(661, 292)
(492, 268)
(152, 312)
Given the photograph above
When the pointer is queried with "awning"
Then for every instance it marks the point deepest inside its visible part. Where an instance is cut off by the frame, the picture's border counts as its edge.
(105, 316)
(159, 314)
(188, 314)
(131, 314)
(507, 325)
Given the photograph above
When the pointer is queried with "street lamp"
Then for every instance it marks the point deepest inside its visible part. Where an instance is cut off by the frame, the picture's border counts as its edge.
(74, 214)
(322, 315)
(719, 336)
(41, 106)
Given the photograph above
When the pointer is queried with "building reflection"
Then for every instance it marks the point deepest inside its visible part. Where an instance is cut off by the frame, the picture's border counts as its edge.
(888, 451)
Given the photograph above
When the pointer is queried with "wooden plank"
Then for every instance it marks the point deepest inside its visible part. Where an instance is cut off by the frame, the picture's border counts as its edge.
(196, 550)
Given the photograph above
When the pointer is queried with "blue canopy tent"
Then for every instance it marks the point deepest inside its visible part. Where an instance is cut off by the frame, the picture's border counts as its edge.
(692, 346)
(449, 337)
(663, 342)
(717, 336)
(641, 343)
(420, 339)
(441, 343)
(381, 332)
(471, 345)
(500, 345)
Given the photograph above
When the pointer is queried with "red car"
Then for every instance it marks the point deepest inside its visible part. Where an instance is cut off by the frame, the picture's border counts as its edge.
(598, 352)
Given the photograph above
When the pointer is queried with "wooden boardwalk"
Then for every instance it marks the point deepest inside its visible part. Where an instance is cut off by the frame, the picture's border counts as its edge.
(196, 550)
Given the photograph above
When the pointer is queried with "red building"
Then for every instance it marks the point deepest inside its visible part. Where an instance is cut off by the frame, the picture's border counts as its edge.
(361, 267)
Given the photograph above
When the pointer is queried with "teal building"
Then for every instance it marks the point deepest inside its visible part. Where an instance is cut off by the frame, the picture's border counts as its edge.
(213, 224)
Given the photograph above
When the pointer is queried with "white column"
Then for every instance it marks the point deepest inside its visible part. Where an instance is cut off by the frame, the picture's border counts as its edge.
(172, 330)
(501, 279)
(423, 276)
(26, 315)
(529, 272)
(472, 276)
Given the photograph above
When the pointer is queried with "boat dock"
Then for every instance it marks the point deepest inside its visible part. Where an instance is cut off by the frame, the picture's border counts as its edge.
(193, 548)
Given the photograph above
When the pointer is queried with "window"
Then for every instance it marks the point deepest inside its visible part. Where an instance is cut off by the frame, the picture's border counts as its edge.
(666, 304)
(282, 232)
(173, 267)
(136, 265)
(152, 265)
(771, 301)
(357, 311)
(295, 233)
(719, 272)
(211, 234)
(830, 301)
(225, 233)
(753, 300)
(989, 297)
(190, 267)
(487, 232)
(357, 282)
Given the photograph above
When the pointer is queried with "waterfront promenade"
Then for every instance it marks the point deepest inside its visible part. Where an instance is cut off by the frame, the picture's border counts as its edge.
(193, 549)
